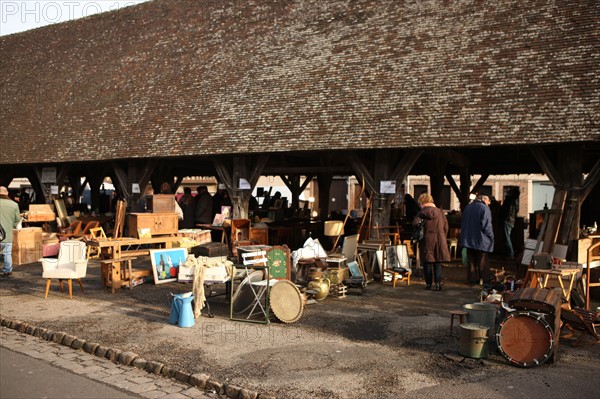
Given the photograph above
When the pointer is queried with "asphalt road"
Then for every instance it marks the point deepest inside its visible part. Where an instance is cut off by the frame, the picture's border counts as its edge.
(22, 376)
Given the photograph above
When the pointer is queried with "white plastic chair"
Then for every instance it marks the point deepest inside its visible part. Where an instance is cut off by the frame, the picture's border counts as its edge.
(71, 264)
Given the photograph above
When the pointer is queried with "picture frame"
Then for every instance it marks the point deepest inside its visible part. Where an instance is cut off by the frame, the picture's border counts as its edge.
(165, 263)
(218, 220)
(226, 212)
(144, 233)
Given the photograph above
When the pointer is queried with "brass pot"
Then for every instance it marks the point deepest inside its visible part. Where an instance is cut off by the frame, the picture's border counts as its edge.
(321, 285)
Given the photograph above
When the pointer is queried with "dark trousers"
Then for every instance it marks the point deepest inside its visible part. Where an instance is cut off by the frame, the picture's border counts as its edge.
(478, 266)
(433, 272)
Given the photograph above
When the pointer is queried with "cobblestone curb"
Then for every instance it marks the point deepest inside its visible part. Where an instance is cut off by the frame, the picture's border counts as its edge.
(196, 382)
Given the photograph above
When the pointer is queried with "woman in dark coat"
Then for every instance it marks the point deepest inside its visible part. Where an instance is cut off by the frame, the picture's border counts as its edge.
(433, 247)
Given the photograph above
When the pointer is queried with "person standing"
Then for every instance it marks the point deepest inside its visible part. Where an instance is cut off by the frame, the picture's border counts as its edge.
(477, 235)
(433, 247)
(9, 219)
(203, 206)
(188, 206)
(510, 209)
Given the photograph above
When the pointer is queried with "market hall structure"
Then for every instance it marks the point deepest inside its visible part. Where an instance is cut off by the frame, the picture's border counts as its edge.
(169, 89)
(307, 91)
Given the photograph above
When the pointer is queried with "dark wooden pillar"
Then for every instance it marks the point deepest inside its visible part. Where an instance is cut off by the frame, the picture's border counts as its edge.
(383, 167)
(436, 178)
(324, 180)
(293, 183)
(134, 171)
(570, 192)
(244, 167)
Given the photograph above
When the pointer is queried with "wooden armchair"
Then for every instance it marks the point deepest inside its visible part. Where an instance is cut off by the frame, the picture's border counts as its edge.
(85, 233)
(73, 230)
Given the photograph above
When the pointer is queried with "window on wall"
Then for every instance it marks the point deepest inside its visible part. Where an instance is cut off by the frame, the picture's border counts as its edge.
(507, 189)
(420, 189)
(444, 202)
(485, 190)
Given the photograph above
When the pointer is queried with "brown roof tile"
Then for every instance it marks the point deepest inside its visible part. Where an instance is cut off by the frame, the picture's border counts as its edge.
(180, 77)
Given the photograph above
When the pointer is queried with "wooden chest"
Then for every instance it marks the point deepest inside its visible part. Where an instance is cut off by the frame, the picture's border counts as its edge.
(160, 203)
(158, 223)
(210, 249)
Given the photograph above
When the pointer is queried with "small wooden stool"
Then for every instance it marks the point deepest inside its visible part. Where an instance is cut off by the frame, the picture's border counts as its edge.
(461, 317)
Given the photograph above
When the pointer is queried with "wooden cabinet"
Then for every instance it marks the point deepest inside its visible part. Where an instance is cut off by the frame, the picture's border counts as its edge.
(158, 223)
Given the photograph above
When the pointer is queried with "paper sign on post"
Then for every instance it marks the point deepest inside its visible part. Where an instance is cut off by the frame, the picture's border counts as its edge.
(387, 187)
(244, 185)
(54, 190)
(135, 188)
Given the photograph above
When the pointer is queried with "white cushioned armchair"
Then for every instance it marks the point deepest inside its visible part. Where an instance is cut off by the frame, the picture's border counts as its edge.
(71, 264)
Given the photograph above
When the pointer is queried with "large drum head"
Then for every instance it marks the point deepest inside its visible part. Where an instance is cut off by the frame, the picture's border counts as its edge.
(286, 301)
(525, 339)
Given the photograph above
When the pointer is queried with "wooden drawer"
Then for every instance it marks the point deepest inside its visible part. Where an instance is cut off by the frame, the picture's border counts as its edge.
(158, 223)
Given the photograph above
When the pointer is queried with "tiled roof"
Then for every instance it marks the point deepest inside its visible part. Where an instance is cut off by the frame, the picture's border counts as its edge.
(180, 77)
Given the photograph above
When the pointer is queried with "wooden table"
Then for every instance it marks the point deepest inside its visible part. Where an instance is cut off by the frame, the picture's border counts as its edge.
(543, 277)
(116, 254)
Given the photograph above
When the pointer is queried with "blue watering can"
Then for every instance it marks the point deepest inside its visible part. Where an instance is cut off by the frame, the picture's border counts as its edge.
(181, 310)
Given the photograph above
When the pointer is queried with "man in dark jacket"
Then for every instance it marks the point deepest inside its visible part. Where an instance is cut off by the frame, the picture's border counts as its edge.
(477, 235)
(203, 214)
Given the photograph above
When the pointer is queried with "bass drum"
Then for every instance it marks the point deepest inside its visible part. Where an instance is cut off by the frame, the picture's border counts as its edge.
(525, 339)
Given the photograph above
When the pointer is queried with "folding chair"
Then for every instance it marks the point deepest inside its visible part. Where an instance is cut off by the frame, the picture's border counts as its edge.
(578, 319)
(255, 291)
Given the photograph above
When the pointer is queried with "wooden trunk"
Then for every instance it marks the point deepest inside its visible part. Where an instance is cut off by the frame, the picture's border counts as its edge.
(158, 223)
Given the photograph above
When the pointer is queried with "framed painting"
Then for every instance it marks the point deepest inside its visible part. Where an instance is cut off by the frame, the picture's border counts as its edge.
(280, 266)
(218, 220)
(166, 262)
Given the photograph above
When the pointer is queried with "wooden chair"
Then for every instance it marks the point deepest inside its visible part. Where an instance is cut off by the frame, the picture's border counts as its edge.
(85, 233)
(582, 320)
(96, 232)
(73, 230)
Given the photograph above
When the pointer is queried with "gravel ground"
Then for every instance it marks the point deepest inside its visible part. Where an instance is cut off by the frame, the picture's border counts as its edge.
(388, 342)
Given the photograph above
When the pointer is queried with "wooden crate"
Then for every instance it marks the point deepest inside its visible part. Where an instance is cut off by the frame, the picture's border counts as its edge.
(28, 237)
(160, 203)
(24, 256)
(40, 213)
(260, 235)
(198, 235)
(27, 245)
